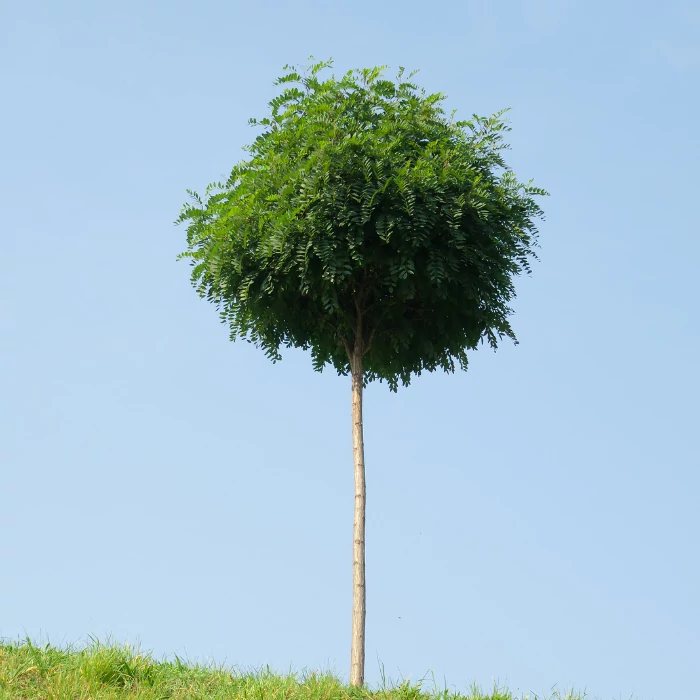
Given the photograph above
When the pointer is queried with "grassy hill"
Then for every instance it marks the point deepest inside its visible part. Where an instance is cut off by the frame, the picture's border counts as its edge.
(112, 672)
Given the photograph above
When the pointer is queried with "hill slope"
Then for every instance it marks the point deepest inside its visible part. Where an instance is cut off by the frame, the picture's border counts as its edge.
(112, 672)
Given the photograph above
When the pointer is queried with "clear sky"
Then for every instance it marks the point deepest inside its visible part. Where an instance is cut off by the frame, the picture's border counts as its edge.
(534, 520)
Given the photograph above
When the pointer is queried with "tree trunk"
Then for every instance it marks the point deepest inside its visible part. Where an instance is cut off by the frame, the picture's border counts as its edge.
(357, 648)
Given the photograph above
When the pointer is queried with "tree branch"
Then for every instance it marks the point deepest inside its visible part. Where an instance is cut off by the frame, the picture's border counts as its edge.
(348, 350)
(369, 343)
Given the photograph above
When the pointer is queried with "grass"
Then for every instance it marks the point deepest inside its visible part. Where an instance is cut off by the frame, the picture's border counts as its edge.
(118, 672)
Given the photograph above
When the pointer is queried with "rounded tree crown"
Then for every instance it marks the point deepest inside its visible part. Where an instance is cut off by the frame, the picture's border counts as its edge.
(366, 222)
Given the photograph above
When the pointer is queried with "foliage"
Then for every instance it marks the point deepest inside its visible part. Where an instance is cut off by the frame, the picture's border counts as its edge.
(365, 220)
(109, 672)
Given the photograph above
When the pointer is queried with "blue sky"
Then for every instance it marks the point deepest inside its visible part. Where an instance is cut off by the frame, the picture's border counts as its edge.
(534, 520)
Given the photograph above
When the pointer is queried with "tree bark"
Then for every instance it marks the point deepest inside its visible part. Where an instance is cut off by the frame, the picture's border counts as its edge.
(357, 647)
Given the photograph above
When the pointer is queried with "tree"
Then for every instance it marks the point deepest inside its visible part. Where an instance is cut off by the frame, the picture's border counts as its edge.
(371, 229)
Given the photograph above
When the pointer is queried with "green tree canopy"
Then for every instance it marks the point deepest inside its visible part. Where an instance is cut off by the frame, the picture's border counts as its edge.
(366, 220)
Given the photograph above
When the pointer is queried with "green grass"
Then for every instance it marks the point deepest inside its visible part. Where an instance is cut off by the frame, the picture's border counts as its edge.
(117, 672)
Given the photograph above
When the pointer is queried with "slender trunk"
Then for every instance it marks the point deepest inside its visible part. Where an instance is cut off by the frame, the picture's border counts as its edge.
(357, 648)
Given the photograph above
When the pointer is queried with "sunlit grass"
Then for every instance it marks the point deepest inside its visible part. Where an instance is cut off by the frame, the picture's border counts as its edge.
(119, 672)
